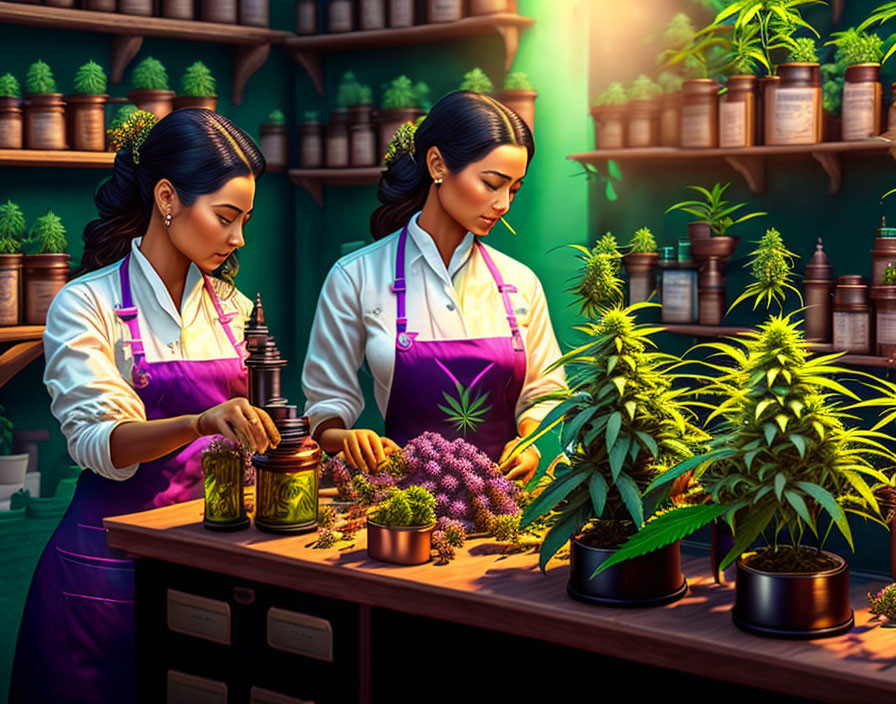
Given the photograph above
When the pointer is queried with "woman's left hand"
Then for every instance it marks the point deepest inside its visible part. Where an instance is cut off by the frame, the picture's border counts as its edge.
(523, 466)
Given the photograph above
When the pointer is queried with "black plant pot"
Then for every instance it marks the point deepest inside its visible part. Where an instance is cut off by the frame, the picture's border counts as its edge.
(649, 580)
(791, 605)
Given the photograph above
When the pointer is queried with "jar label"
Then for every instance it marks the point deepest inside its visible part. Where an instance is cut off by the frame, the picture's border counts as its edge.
(40, 295)
(852, 332)
(47, 130)
(796, 116)
(363, 148)
(733, 124)
(639, 132)
(679, 296)
(444, 10)
(610, 134)
(90, 129)
(306, 18)
(10, 134)
(859, 109)
(340, 16)
(373, 14)
(9, 297)
(886, 328)
(337, 151)
(696, 125)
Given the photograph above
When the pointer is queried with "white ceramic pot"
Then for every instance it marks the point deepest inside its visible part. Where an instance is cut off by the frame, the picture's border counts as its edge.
(13, 468)
(7, 490)
(32, 483)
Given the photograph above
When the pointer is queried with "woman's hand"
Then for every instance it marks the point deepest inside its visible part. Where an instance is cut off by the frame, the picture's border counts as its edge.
(365, 449)
(239, 421)
(524, 465)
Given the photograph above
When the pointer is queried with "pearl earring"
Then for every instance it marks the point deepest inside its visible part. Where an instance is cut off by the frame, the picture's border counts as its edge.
(437, 181)
(168, 220)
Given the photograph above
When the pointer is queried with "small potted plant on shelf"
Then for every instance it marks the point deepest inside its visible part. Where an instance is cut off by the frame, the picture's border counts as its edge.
(136, 7)
(623, 422)
(220, 11)
(10, 112)
(784, 466)
(12, 233)
(640, 264)
(833, 77)
(178, 9)
(197, 88)
(519, 95)
(670, 108)
(355, 98)
(400, 531)
(643, 112)
(150, 88)
(401, 103)
(274, 141)
(609, 117)
(362, 134)
(12, 467)
(884, 297)
(311, 141)
(87, 109)
(44, 109)
(47, 270)
(800, 77)
(740, 117)
(860, 55)
(477, 81)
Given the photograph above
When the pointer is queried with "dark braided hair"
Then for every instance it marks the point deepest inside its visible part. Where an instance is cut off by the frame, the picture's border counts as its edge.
(465, 126)
(197, 150)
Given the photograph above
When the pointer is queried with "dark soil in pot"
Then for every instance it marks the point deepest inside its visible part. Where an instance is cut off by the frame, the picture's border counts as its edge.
(806, 596)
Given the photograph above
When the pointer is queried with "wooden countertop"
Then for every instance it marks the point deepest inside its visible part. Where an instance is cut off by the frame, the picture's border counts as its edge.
(486, 588)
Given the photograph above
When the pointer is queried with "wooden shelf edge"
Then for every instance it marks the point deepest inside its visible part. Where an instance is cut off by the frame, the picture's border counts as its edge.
(119, 23)
(60, 159)
(17, 333)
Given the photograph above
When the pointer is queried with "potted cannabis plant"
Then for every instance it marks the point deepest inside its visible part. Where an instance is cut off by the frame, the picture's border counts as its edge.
(12, 234)
(643, 112)
(624, 423)
(47, 270)
(477, 81)
(640, 264)
(274, 141)
(670, 108)
(858, 58)
(197, 88)
(44, 109)
(784, 466)
(87, 109)
(400, 530)
(12, 467)
(609, 117)
(150, 88)
(401, 103)
(10, 112)
(519, 96)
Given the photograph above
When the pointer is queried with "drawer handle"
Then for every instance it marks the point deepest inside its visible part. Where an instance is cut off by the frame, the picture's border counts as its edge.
(244, 595)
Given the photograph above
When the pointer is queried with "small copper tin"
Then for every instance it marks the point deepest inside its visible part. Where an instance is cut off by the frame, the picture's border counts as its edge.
(398, 544)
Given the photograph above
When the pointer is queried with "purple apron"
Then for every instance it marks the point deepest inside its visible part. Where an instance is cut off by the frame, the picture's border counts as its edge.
(458, 388)
(76, 641)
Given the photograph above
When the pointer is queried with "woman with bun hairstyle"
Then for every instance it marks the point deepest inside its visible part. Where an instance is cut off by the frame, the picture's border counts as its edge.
(144, 365)
(455, 333)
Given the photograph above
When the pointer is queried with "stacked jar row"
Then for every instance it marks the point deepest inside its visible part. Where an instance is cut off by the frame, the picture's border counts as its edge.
(255, 13)
(351, 15)
(785, 109)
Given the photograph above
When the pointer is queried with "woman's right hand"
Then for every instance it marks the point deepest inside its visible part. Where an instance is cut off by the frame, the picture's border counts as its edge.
(365, 449)
(241, 422)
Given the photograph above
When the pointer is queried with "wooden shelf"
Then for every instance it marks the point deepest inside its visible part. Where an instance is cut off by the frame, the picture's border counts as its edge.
(314, 180)
(252, 44)
(750, 161)
(713, 331)
(307, 50)
(60, 159)
(28, 348)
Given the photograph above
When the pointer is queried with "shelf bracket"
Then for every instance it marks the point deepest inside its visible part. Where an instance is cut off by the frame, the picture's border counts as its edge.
(247, 61)
(124, 48)
(752, 168)
(17, 357)
(511, 37)
(313, 66)
(830, 161)
(314, 187)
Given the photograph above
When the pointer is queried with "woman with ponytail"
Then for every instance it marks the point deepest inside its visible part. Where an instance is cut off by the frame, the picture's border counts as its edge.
(143, 366)
(455, 333)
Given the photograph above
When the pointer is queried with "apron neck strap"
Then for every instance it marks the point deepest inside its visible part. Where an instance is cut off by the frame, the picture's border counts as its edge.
(399, 286)
(224, 319)
(504, 289)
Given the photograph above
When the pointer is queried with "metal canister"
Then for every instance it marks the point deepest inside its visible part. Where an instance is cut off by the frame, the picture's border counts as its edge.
(883, 252)
(852, 316)
(287, 476)
(818, 285)
(862, 98)
(737, 113)
(222, 473)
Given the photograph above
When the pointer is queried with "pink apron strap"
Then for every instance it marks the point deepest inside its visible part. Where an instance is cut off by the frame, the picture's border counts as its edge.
(403, 339)
(127, 313)
(504, 289)
(224, 319)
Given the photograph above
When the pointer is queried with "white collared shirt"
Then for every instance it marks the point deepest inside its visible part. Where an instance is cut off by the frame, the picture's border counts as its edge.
(355, 320)
(88, 364)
